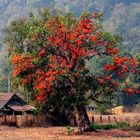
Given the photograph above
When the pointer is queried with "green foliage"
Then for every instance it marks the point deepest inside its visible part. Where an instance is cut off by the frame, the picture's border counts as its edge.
(132, 80)
(109, 126)
(122, 124)
(125, 20)
(5, 71)
(69, 129)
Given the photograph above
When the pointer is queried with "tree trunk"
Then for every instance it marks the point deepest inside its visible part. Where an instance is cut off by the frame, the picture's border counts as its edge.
(9, 84)
(83, 119)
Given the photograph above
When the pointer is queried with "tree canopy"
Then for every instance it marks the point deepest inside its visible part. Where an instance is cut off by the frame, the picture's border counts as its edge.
(50, 53)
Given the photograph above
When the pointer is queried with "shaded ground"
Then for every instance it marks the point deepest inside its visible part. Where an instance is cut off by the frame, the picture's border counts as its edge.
(59, 133)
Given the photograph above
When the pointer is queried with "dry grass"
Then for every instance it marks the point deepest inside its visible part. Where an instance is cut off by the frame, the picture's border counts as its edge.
(51, 133)
(126, 117)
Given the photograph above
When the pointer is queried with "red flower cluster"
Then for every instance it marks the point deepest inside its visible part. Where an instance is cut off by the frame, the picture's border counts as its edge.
(110, 67)
(22, 63)
(65, 50)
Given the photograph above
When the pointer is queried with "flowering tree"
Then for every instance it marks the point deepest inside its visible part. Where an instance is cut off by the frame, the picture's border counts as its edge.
(52, 61)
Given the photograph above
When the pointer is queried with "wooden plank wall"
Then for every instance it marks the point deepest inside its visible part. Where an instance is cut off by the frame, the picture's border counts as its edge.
(23, 120)
(43, 120)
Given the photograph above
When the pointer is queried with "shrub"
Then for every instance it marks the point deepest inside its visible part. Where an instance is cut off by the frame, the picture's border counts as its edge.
(69, 129)
(122, 124)
(108, 126)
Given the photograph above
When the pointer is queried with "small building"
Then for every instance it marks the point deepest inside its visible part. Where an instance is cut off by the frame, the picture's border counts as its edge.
(91, 108)
(12, 104)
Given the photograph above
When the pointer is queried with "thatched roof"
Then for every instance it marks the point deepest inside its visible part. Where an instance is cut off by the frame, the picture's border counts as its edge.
(4, 98)
(22, 108)
(10, 100)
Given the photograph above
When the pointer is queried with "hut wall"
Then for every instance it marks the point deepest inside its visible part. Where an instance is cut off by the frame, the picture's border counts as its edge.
(23, 120)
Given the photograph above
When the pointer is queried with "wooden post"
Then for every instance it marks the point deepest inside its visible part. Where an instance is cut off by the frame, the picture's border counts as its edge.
(93, 119)
(37, 119)
(9, 83)
(75, 122)
(101, 119)
(5, 122)
(27, 120)
(109, 119)
(16, 123)
(13, 113)
(115, 119)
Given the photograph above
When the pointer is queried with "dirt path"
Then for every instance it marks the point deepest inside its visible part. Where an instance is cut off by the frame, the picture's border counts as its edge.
(51, 133)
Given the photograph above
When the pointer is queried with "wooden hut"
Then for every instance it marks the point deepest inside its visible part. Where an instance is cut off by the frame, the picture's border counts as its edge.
(12, 104)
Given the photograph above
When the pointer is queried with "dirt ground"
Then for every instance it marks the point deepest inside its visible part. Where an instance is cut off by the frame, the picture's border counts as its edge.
(61, 133)
(57, 133)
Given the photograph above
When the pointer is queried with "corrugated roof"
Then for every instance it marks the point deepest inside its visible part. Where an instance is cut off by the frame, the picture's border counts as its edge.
(22, 108)
(4, 98)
